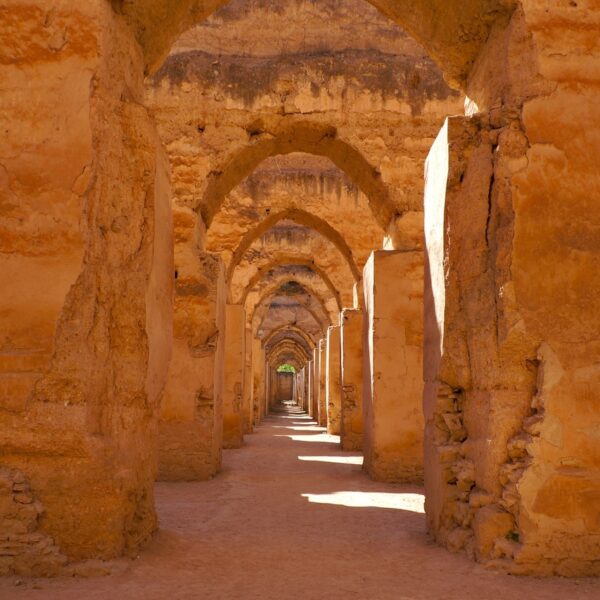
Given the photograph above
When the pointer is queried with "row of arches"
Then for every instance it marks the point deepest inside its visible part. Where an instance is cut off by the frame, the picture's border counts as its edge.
(99, 338)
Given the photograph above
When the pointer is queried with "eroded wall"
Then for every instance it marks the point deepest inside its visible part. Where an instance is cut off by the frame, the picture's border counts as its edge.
(393, 365)
(86, 270)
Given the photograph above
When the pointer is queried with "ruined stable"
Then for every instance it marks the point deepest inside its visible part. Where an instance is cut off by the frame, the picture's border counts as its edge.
(398, 199)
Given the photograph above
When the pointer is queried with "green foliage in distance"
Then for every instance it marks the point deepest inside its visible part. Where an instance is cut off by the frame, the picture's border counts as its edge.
(286, 369)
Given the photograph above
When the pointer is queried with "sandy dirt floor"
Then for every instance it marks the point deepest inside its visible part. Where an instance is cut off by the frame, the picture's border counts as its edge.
(293, 517)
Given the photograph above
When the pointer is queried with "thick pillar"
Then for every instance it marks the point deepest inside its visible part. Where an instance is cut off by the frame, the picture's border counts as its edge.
(351, 429)
(392, 365)
(86, 296)
(322, 405)
(235, 338)
(273, 386)
(308, 386)
(333, 384)
(511, 463)
(258, 381)
(314, 407)
(247, 385)
(190, 426)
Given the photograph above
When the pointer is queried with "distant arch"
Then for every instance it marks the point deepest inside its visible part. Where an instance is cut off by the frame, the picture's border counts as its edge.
(292, 260)
(301, 217)
(311, 138)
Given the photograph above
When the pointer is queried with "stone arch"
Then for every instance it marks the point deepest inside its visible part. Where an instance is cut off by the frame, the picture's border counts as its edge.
(290, 330)
(302, 218)
(299, 274)
(452, 32)
(292, 260)
(303, 136)
(262, 311)
(285, 349)
(272, 288)
(277, 316)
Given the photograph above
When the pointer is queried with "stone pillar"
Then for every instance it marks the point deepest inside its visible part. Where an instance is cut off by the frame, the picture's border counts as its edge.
(275, 387)
(392, 365)
(351, 429)
(333, 384)
(235, 338)
(87, 280)
(258, 380)
(508, 377)
(322, 405)
(247, 386)
(190, 426)
(314, 407)
(309, 385)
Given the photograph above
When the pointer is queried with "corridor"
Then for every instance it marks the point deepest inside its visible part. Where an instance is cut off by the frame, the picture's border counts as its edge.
(292, 516)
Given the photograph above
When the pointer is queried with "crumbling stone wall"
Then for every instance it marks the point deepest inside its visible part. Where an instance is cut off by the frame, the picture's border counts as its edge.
(86, 276)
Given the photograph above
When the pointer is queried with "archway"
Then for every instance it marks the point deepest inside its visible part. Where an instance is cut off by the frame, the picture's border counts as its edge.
(303, 218)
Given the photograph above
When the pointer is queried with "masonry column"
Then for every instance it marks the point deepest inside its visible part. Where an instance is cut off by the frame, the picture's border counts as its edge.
(314, 407)
(351, 428)
(333, 381)
(247, 386)
(235, 337)
(309, 384)
(190, 426)
(258, 381)
(322, 408)
(510, 467)
(273, 386)
(392, 367)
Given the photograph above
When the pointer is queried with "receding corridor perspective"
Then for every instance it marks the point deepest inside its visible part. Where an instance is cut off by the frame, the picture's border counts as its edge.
(300, 299)
(293, 517)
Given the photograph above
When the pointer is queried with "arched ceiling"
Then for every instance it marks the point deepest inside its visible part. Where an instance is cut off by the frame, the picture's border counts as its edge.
(300, 217)
(285, 283)
(284, 311)
(289, 332)
(308, 190)
(285, 262)
(451, 31)
(299, 299)
(269, 140)
(287, 241)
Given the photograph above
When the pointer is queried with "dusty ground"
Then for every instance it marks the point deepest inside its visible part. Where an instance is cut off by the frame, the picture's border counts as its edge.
(293, 517)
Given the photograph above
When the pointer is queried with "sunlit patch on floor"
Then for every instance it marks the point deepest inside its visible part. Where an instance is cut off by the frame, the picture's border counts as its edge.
(342, 460)
(400, 501)
(315, 437)
(300, 428)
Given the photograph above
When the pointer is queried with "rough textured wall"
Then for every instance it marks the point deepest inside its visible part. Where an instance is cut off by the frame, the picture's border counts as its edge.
(351, 427)
(333, 381)
(235, 339)
(454, 31)
(309, 190)
(525, 357)
(393, 366)
(218, 95)
(85, 307)
(190, 428)
(285, 386)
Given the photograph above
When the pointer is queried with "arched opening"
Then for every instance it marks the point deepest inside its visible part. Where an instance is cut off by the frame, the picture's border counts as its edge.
(303, 218)
(111, 340)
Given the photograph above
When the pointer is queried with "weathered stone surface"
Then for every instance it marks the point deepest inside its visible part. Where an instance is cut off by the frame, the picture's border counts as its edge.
(296, 133)
(234, 349)
(333, 383)
(191, 417)
(392, 366)
(351, 427)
